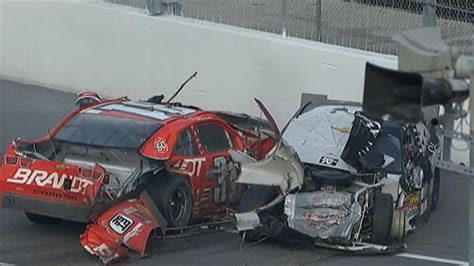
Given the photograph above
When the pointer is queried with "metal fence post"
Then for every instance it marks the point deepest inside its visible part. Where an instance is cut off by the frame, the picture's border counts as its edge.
(162, 7)
(283, 17)
(429, 13)
(155, 7)
(448, 124)
(319, 29)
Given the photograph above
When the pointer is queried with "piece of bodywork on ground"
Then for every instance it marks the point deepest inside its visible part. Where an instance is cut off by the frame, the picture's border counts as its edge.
(126, 225)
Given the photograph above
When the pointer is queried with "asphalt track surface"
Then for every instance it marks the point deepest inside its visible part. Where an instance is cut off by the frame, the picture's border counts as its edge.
(29, 111)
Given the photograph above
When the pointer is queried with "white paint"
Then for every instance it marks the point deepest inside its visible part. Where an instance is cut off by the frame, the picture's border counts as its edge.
(434, 259)
(114, 51)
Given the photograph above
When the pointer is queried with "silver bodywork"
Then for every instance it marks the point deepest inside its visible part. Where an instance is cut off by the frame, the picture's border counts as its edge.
(323, 214)
(322, 133)
(333, 215)
(319, 214)
(281, 168)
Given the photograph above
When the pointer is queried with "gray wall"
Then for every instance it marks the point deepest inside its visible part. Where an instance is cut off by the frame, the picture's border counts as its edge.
(115, 51)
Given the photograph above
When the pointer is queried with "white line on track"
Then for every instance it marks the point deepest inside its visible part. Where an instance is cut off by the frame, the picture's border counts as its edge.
(434, 259)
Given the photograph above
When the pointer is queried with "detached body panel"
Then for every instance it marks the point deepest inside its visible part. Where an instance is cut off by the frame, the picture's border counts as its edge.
(126, 225)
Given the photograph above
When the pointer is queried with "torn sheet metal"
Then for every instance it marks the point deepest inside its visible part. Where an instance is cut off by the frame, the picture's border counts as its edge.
(126, 225)
(241, 157)
(322, 214)
(281, 168)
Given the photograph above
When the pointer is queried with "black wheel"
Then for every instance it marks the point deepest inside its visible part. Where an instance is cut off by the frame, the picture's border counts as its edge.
(435, 191)
(255, 197)
(172, 195)
(41, 219)
(383, 214)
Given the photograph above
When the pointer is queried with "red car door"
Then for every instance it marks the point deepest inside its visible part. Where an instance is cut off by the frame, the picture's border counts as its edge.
(218, 174)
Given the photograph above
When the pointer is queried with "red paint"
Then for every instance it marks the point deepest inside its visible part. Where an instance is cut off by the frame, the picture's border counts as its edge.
(206, 179)
(127, 225)
(52, 181)
(159, 146)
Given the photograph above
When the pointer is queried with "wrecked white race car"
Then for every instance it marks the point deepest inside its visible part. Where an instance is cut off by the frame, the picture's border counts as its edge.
(360, 185)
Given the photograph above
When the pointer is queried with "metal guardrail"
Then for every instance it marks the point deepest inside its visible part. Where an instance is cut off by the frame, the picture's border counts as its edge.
(362, 24)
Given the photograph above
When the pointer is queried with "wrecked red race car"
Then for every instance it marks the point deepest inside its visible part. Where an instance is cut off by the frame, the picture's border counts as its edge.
(130, 167)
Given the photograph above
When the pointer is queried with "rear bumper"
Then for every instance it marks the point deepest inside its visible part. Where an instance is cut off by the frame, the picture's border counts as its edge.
(45, 207)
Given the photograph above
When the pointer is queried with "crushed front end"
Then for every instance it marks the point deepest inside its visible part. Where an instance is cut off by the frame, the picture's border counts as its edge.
(326, 203)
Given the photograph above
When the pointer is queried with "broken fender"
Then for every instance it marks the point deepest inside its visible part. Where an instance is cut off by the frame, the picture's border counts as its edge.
(281, 168)
(127, 225)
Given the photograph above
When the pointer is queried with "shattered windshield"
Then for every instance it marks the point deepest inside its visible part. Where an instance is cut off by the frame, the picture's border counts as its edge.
(107, 131)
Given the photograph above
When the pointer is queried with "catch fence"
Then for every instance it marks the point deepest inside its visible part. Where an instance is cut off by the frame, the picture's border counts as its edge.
(362, 24)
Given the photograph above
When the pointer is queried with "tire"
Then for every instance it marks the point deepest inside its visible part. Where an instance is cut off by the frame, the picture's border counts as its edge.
(41, 219)
(382, 223)
(253, 198)
(436, 188)
(172, 196)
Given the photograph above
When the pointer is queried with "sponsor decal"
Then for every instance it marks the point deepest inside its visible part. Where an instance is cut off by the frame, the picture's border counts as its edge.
(51, 194)
(120, 223)
(328, 161)
(133, 233)
(226, 172)
(42, 178)
(324, 219)
(190, 167)
(160, 145)
(411, 202)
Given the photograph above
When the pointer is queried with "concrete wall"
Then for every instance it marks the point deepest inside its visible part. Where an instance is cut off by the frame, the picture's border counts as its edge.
(116, 51)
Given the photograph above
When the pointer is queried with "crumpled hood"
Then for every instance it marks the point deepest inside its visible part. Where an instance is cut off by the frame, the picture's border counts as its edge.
(319, 135)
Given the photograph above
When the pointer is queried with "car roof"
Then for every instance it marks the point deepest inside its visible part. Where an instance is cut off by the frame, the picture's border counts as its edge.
(142, 110)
